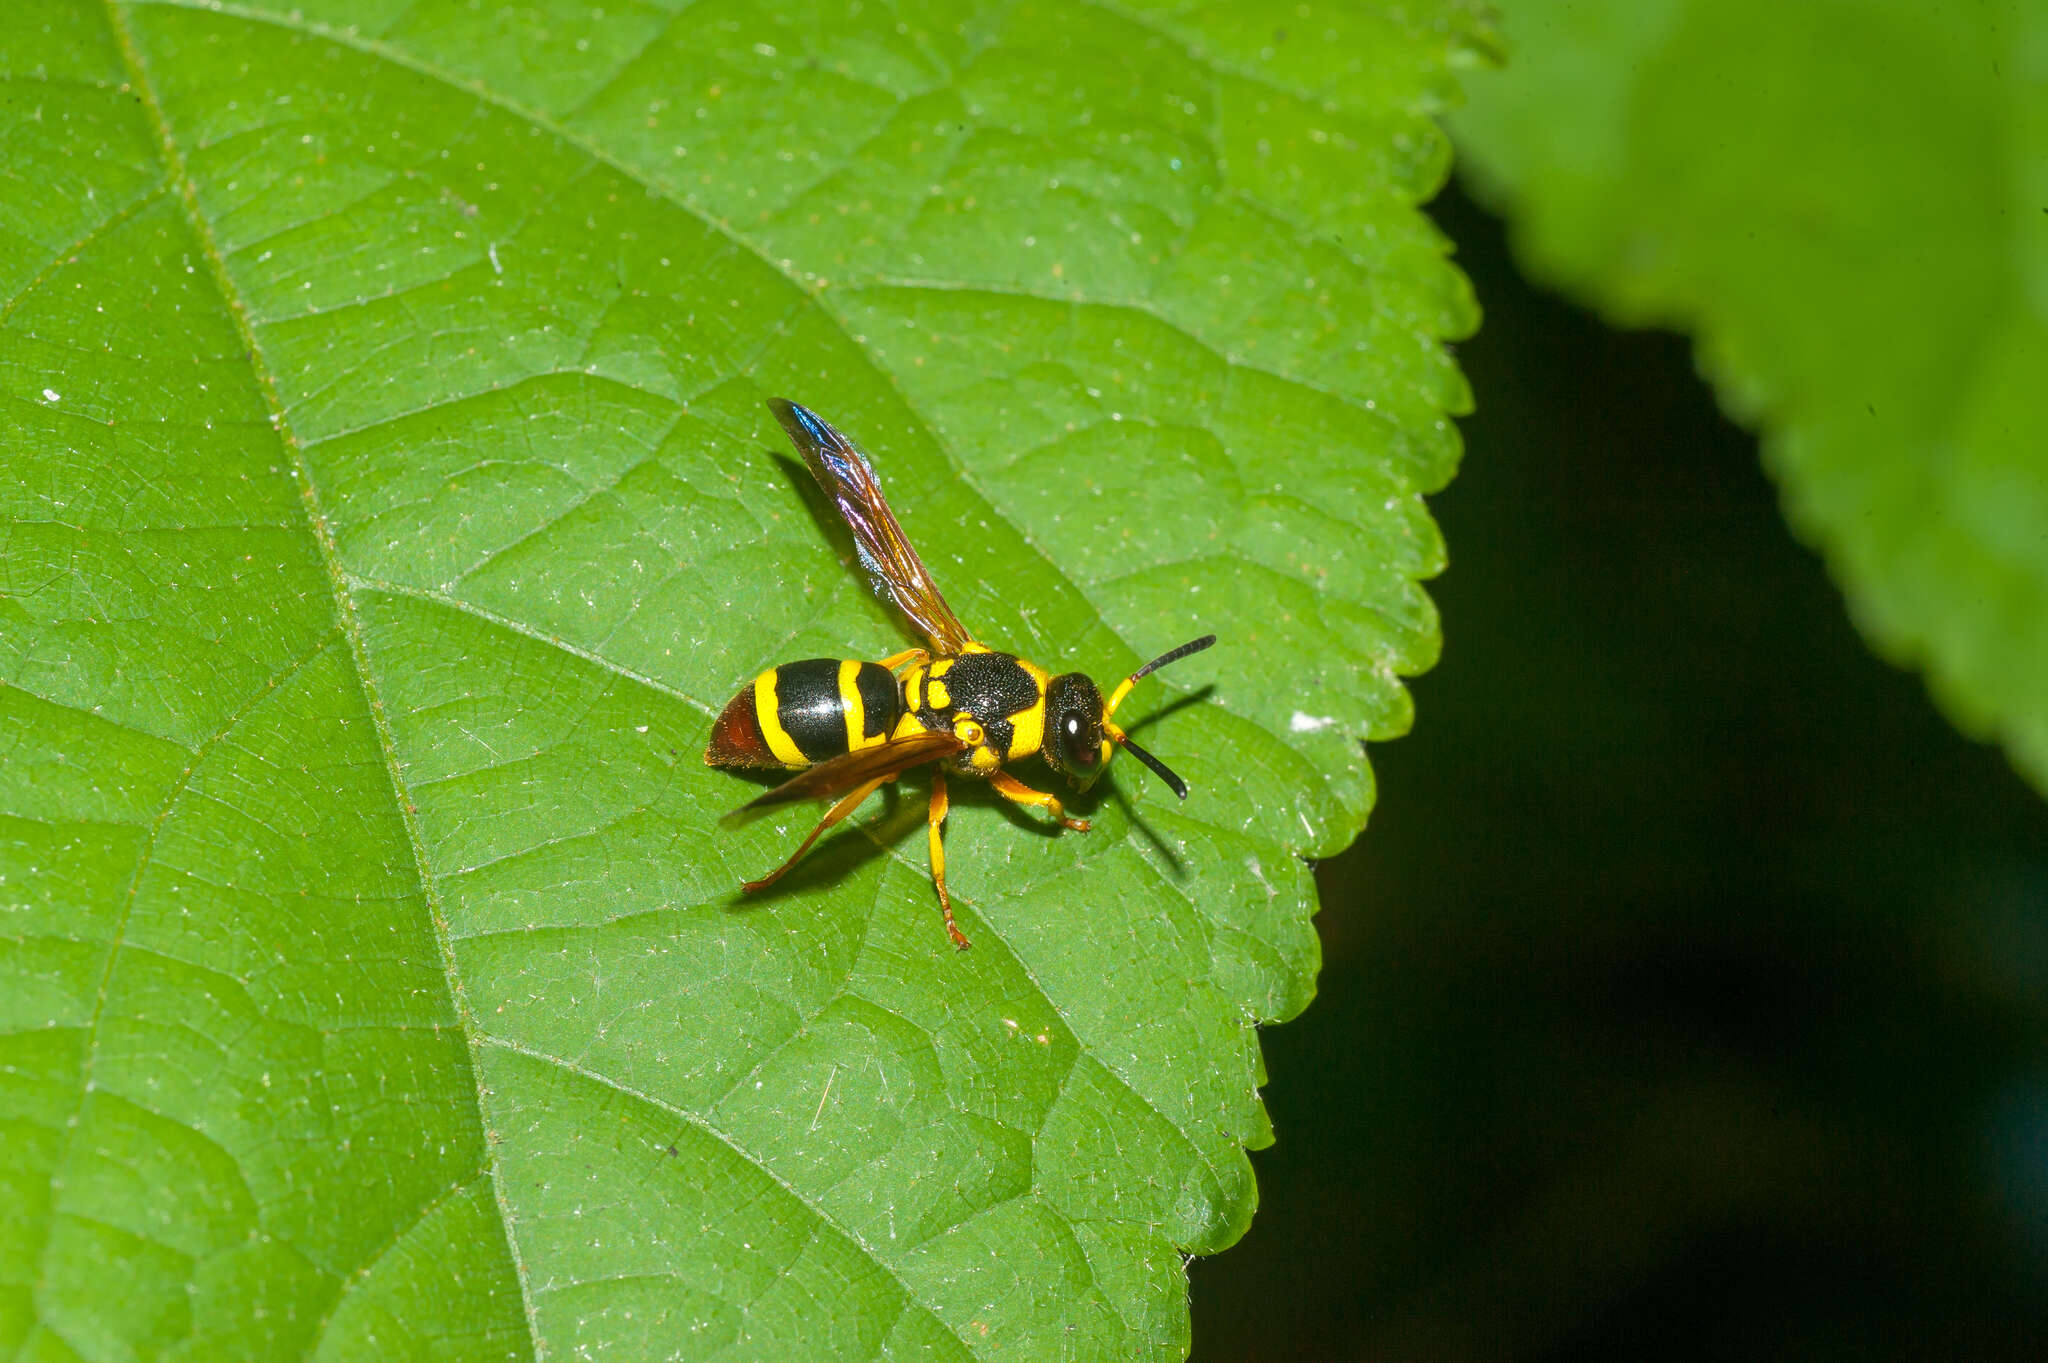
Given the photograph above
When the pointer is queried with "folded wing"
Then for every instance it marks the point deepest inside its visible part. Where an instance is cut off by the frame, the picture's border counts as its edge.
(898, 574)
(837, 775)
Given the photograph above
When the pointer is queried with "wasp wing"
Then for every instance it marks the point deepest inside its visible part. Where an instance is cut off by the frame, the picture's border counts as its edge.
(837, 775)
(898, 574)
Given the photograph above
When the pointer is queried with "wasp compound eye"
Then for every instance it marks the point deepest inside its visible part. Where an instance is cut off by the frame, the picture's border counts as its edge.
(1080, 746)
(1073, 709)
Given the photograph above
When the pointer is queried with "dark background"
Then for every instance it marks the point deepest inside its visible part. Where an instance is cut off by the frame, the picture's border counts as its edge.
(1685, 997)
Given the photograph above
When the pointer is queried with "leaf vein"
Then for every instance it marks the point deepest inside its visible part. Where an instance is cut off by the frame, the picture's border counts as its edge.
(524, 630)
(115, 943)
(362, 1271)
(822, 1218)
(64, 256)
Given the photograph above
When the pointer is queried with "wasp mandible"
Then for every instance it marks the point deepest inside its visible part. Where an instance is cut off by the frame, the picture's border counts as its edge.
(852, 725)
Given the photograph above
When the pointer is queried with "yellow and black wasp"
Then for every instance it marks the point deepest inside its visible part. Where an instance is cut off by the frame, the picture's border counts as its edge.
(853, 725)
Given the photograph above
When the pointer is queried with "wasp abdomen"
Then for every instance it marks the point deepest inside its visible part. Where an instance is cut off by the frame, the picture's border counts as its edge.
(801, 713)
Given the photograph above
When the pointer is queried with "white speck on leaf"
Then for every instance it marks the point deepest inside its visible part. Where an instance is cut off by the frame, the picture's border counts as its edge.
(1302, 722)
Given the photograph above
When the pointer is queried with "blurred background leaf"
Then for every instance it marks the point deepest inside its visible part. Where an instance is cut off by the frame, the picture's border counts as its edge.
(1847, 206)
(1718, 1033)
(393, 504)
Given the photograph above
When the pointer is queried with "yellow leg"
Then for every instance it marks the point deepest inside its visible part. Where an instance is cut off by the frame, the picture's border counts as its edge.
(909, 657)
(938, 816)
(1015, 791)
(839, 811)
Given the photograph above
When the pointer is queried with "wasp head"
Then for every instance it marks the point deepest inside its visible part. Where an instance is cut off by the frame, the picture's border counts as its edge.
(1080, 733)
(1075, 744)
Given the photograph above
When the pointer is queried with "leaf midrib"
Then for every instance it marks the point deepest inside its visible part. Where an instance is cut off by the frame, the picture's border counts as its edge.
(347, 620)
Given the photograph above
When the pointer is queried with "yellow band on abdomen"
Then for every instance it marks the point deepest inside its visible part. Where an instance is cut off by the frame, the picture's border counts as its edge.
(766, 706)
(853, 711)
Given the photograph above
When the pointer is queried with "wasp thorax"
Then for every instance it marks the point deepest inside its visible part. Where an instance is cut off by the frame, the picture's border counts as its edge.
(1074, 745)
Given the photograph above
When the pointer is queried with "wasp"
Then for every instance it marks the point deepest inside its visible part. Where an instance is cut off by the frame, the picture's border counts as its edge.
(852, 725)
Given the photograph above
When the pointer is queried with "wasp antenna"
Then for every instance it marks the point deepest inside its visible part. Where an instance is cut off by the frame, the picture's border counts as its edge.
(1172, 655)
(1159, 768)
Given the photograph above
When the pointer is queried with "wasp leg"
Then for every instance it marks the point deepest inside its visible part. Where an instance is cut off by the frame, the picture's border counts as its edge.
(938, 816)
(839, 811)
(1015, 791)
(909, 657)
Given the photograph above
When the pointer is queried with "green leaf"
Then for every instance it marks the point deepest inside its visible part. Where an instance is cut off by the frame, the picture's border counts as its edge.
(1848, 205)
(392, 504)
